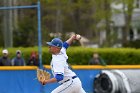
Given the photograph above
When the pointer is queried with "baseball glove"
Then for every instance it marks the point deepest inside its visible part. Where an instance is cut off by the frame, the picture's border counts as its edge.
(42, 75)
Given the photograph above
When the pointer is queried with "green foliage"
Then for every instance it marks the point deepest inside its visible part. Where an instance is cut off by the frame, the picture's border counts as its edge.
(133, 44)
(24, 35)
(81, 55)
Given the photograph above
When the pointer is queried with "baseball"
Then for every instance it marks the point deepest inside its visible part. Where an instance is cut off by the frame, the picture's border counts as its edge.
(78, 37)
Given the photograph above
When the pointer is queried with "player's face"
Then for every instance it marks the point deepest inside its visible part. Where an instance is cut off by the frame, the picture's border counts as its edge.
(53, 50)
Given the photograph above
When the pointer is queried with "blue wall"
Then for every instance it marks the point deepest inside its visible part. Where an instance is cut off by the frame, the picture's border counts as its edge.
(23, 81)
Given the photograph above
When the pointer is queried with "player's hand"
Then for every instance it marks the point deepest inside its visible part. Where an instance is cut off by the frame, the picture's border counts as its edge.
(73, 37)
(42, 82)
(76, 37)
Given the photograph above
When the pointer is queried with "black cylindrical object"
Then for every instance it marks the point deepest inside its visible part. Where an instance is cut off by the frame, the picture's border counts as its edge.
(117, 81)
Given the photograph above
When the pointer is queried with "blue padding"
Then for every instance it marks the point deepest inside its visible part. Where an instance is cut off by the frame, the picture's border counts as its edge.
(23, 81)
(87, 78)
(18, 82)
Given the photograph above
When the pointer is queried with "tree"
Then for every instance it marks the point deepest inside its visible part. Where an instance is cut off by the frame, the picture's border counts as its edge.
(7, 25)
(102, 17)
(62, 16)
(128, 12)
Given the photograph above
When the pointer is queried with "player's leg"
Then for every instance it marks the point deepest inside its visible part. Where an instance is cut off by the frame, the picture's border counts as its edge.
(64, 88)
(72, 86)
(78, 86)
(81, 90)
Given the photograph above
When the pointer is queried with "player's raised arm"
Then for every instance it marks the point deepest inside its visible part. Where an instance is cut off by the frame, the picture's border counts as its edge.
(72, 38)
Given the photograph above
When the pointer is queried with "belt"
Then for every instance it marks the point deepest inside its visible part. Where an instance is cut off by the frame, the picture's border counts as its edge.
(74, 77)
(69, 79)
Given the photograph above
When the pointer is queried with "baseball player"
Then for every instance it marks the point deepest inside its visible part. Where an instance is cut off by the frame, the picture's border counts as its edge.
(68, 80)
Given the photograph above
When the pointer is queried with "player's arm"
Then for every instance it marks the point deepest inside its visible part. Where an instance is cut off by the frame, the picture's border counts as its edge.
(52, 80)
(67, 43)
(57, 78)
(71, 39)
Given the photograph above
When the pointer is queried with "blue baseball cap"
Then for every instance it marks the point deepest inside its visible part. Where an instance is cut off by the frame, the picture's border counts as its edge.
(55, 42)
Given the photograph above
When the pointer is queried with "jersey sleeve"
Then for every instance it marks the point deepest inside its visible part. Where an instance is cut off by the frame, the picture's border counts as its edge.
(65, 45)
(59, 77)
